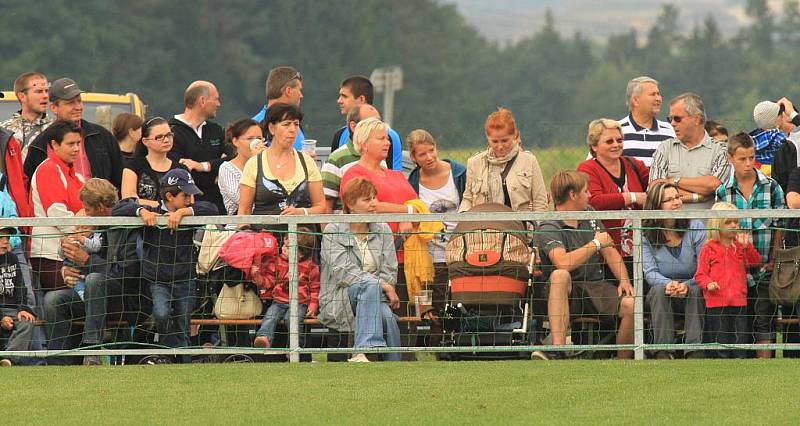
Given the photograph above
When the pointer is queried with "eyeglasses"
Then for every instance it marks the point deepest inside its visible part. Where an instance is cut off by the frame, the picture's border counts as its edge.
(615, 140)
(161, 138)
(676, 118)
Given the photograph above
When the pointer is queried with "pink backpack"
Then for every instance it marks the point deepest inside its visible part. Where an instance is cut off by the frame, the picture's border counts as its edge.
(245, 248)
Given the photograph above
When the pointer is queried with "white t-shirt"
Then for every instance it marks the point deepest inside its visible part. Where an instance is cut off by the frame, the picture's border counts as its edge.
(442, 200)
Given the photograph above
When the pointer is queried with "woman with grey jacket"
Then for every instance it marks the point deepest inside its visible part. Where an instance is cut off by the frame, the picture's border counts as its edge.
(359, 272)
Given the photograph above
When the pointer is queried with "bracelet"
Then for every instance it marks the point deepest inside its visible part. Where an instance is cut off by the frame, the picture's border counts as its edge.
(695, 197)
(305, 211)
(633, 198)
(206, 166)
(597, 244)
(410, 209)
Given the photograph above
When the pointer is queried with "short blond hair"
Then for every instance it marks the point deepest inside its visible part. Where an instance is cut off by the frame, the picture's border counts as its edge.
(98, 193)
(419, 137)
(596, 128)
(364, 128)
(567, 181)
(714, 224)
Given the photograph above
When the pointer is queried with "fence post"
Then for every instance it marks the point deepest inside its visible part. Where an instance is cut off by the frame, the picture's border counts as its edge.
(294, 325)
(638, 290)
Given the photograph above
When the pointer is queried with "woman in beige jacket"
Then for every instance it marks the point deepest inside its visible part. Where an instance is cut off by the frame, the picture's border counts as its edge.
(504, 173)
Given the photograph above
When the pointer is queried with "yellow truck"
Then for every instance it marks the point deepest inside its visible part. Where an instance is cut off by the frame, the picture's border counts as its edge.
(100, 108)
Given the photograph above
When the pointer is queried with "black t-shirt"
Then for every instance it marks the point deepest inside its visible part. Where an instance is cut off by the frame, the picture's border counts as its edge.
(147, 186)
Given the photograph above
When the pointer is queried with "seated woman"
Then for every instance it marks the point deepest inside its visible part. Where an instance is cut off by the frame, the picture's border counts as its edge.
(504, 173)
(359, 271)
(142, 174)
(616, 182)
(281, 180)
(670, 261)
(247, 138)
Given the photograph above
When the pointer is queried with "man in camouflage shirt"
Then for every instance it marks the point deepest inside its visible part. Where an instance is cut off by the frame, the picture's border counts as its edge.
(27, 123)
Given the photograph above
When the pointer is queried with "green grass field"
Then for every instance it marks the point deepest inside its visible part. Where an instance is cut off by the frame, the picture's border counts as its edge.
(513, 392)
(550, 159)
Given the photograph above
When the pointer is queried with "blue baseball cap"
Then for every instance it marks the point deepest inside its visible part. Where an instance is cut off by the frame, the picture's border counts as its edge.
(182, 179)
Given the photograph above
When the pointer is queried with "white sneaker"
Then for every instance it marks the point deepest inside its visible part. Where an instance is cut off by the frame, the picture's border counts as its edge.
(358, 358)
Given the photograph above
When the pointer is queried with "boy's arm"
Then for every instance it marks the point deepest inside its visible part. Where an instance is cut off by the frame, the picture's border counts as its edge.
(22, 297)
(313, 280)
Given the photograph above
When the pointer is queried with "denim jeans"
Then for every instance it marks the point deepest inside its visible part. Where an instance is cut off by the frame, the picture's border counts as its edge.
(172, 310)
(280, 311)
(727, 325)
(63, 306)
(373, 318)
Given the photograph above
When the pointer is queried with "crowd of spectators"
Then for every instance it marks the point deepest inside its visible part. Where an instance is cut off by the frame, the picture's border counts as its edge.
(59, 165)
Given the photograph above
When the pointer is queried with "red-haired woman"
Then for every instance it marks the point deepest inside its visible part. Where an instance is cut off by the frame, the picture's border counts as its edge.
(504, 173)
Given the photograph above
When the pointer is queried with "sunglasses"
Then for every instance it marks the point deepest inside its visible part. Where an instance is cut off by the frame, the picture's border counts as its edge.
(676, 118)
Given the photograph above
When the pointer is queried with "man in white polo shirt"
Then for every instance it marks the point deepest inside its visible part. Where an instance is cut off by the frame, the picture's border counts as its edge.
(640, 128)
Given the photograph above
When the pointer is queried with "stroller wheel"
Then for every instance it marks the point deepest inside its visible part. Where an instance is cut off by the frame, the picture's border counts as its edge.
(238, 359)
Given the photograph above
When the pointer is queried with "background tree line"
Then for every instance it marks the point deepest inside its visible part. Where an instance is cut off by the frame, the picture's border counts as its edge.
(554, 83)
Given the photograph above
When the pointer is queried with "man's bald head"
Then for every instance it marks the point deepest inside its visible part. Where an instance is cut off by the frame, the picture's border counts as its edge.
(361, 112)
(196, 90)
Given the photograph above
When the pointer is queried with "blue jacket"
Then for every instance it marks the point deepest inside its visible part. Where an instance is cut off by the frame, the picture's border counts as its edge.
(298, 140)
(8, 209)
(459, 177)
(396, 151)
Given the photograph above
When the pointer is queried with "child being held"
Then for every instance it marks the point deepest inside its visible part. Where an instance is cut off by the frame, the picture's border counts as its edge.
(91, 243)
(722, 274)
(272, 276)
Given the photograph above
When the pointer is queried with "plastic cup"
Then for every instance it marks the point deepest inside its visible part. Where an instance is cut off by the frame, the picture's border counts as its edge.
(310, 146)
(423, 302)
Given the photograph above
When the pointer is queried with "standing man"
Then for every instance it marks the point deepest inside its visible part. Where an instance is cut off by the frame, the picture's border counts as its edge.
(775, 143)
(285, 86)
(749, 188)
(640, 128)
(27, 123)
(692, 161)
(358, 90)
(199, 144)
(98, 155)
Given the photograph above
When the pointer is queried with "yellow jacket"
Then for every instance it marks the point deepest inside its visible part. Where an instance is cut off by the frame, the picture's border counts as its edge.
(418, 264)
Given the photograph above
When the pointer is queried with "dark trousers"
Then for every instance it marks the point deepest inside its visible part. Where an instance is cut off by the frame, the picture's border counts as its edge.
(726, 325)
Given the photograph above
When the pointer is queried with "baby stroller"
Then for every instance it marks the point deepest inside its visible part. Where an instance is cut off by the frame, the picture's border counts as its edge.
(488, 301)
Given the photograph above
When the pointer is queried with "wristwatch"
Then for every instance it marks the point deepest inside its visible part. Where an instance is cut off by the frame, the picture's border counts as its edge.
(676, 181)
(597, 245)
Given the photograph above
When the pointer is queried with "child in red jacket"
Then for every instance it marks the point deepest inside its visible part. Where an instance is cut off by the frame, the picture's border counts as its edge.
(272, 276)
(721, 273)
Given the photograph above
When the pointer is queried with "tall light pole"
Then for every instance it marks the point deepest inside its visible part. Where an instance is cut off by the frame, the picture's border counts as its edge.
(387, 80)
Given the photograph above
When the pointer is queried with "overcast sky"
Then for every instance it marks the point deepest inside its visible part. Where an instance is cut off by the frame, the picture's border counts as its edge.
(503, 20)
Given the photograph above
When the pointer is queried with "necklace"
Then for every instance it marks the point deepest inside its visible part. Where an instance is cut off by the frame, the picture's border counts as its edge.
(283, 163)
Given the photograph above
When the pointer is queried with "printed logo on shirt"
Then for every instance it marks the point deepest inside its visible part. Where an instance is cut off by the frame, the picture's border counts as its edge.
(215, 142)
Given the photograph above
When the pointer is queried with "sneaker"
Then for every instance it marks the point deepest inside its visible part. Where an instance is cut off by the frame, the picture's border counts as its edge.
(358, 358)
(5, 363)
(92, 360)
(155, 360)
(261, 342)
(548, 356)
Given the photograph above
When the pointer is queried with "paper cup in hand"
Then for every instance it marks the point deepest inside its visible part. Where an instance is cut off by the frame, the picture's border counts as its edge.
(310, 146)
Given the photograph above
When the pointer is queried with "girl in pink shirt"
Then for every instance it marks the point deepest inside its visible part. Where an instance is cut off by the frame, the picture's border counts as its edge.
(721, 273)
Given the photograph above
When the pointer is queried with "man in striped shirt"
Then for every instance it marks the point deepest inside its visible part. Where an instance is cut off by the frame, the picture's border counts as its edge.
(640, 128)
(344, 157)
